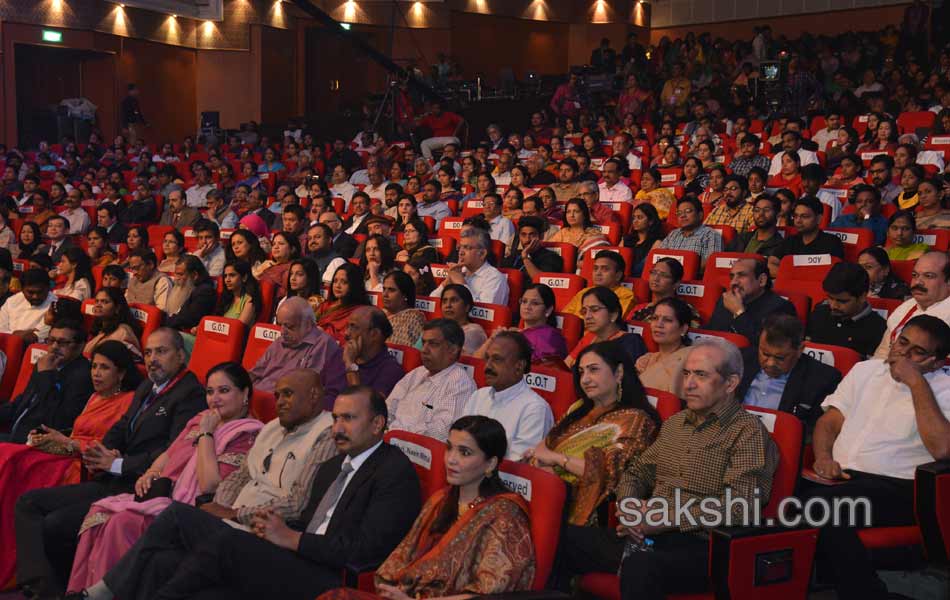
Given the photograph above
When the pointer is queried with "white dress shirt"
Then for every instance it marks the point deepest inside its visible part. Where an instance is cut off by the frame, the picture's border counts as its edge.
(343, 190)
(78, 220)
(17, 314)
(197, 196)
(428, 404)
(808, 158)
(377, 192)
(880, 434)
(487, 284)
(618, 193)
(356, 462)
(897, 320)
(526, 416)
(503, 230)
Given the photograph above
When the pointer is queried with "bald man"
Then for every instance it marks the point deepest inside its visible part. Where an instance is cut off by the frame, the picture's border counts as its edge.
(365, 355)
(277, 475)
(301, 345)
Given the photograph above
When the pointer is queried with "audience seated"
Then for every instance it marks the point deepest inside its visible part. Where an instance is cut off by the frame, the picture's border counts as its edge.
(749, 157)
(302, 428)
(886, 418)
(608, 271)
(734, 208)
(646, 233)
(737, 454)
(748, 301)
(285, 249)
(810, 239)
(112, 320)
(603, 321)
(177, 214)
(525, 415)
(663, 278)
(778, 376)
(212, 445)
(429, 398)
(347, 292)
(653, 192)
(527, 254)
(578, 228)
(867, 202)
(883, 282)
(48, 521)
(399, 304)
(486, 283)
(845, 318)
(302, 345)
(57, 230)
(74, 266)
(342, 243)
(147, 285)
(900, 244)
(930, 213)
(173, 247)
(539, 326)
(241, 296)
(22, 313)
(209, 250)
(320, 250)
(611, 423)
(192, 296)
(929, 295)
(669, 323)
(485, 544)
(692, 235)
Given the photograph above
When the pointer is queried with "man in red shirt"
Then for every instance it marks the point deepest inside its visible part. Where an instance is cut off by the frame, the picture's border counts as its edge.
(445, 128)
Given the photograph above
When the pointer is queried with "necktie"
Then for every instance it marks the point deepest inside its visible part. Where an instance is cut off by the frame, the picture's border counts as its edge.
(145, 404)
(330, 498)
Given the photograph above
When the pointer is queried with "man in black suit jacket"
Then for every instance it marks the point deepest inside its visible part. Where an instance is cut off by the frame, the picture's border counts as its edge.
(779, 376)
(47, 520)
(58, 389)
(200, 300)
(357, 526)
(344, 244)
(748, 301)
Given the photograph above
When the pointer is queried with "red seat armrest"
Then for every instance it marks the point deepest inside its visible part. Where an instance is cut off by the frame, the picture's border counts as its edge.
(932, 505)
(751, 562)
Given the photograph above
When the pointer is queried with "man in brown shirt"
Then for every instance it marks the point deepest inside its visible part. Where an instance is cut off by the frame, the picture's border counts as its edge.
(701, 452)
(567, 186)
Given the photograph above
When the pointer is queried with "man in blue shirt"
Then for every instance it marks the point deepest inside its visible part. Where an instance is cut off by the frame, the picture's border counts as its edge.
(867, 202)
(778, 376)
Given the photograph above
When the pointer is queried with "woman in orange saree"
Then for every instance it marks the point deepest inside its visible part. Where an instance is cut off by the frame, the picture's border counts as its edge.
(471, 538)
(347, 293)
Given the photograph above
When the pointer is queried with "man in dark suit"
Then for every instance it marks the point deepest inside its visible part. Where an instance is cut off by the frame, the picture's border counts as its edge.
(108, 217)
(177, 213)
(58, 388)
(748, 301)
(57, 230)
(47, 520)
(777, 375)
(344, 244)
(362, 504)
(256, 204)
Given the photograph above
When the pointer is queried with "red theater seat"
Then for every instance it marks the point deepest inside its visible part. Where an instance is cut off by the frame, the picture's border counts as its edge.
(261, 337)
(563, 285)
(263, 406)
(838, 357)
(149, 318)
(720, 264)
(12, 347)
(689, 260)
(427, 456)
(219, 339)
(555, 385)
(25, 370)
(408, 357)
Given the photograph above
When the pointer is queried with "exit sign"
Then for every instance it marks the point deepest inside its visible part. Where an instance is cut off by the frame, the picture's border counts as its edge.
(52, 36)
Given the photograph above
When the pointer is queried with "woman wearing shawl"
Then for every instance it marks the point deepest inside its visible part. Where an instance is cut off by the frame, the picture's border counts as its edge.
(610, 423)
(50, 458)
(472, 538)
(212, 445)
(347, 293)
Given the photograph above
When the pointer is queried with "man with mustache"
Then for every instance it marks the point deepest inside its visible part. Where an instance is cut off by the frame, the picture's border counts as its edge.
(749, 299)
(507, 398)
(277, 476)
(845, 318)
(930, 295)
(48, 520)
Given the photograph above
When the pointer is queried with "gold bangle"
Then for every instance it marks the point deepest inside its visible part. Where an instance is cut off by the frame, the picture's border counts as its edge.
(565, 461)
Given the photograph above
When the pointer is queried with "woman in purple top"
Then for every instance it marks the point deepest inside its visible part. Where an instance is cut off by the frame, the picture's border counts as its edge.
(538, 326)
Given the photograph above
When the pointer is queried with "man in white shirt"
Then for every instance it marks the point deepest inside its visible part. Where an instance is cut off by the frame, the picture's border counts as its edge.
(77, 216)
(376, 186)
(508, 399)
(622, 147)
(829, 133)
(209, 250)
(22, 314)
(429, 398)
(612, 190)
(502, 229)
(886, 418)
(792, 142)
(487, 284)
(930, 295)
(197, 195)
(502, 173)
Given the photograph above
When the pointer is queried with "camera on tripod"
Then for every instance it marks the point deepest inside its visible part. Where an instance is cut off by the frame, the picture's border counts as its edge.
(771, 82)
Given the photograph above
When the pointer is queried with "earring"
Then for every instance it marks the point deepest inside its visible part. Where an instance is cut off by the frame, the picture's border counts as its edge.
(619, 390)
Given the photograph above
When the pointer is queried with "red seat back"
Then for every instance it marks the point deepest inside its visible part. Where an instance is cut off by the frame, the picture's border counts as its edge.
(268, 296)
(689, 260)
(545, 494)
(429, 305)
(565, 286)
(427, 456)
(32, 354)
(149, 317)
(571, 326)
(701, 295)
(720, 264)
(665, 403)
(475, 368)
(567, 252)
(805, 267)
(263, 406)
(903, 269)
(408, 357)
(219, 340)
(515, 289)
(884, 306)
(12, 347)
(261, 337)
(855, 240)
(738, 339)
(587, 261)
(838, 357)
(451, 227)
(787, 431)
(490, 316)
(555, 385)
(938, 239)
(727, 232)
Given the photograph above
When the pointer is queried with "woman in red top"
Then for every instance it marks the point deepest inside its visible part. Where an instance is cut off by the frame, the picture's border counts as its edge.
(790, 175)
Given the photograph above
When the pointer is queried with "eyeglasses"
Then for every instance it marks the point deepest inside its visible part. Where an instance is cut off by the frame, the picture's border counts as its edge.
(660, 274)
(591, 310)
(61, 342)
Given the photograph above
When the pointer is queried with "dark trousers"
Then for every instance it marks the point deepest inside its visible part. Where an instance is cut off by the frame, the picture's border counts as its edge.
(678, 563)
(840, 551)
(235, 564)
(157, 555)
(47, 524)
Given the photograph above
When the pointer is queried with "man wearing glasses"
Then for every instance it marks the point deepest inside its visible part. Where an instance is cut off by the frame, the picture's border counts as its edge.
(886, 418)
(692, 235)
(735, 211)
(58, 388)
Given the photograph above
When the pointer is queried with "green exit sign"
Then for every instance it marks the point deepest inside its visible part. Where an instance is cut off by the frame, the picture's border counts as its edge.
(52, 36)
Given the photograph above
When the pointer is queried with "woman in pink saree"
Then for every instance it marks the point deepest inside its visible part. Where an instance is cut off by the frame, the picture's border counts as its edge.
(213, 444)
